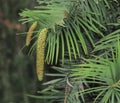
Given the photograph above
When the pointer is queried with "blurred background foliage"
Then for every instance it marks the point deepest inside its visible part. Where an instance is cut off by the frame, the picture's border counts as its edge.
(17, 75)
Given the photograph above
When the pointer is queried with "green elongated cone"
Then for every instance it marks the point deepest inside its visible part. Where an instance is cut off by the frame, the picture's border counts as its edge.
(41, 53)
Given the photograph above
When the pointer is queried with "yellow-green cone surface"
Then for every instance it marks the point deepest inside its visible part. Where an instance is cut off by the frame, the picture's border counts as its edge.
(30, 32)
(41, 53)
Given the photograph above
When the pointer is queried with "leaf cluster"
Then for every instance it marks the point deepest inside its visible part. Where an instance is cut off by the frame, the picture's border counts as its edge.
(84, 41)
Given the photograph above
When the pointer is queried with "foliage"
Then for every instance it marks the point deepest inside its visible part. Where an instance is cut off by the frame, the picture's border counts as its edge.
(82, 46)
(103, 73)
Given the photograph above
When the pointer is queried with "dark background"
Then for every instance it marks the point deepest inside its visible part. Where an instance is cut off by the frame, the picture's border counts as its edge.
(17, 69)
